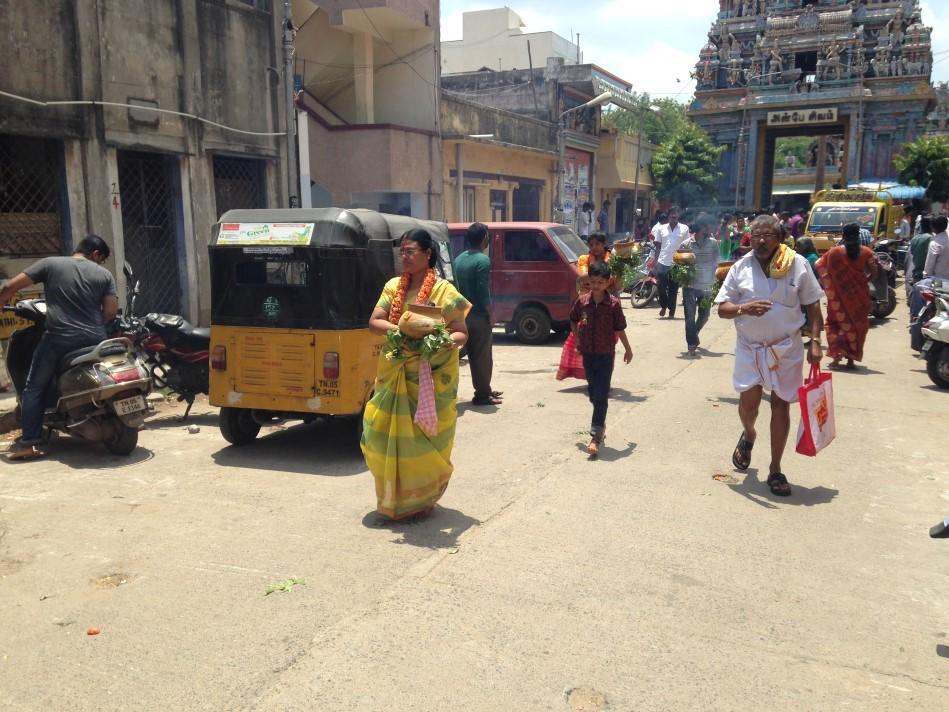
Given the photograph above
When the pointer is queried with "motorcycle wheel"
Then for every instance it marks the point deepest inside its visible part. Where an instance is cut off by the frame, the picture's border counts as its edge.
(238, 426)
(937, 366)
(642, 293)
(881, 311)
(123, 440)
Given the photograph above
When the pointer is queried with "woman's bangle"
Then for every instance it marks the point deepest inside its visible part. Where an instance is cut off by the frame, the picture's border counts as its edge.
(739, 310)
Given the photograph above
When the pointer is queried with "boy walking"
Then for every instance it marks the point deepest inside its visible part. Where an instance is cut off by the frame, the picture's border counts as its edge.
(597, 320)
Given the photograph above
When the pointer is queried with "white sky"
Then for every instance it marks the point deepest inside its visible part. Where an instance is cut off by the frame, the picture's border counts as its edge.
(654, 45)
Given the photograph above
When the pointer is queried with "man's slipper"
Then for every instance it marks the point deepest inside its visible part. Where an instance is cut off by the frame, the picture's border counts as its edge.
(487, 401)
(25, 452)
(778, 484)
(741, 457)
(497, 394)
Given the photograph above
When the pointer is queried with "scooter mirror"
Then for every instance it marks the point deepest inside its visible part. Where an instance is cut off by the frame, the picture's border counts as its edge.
(127, 271)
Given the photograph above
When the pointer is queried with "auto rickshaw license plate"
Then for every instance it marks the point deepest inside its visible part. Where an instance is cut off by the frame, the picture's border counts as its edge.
(127, 406)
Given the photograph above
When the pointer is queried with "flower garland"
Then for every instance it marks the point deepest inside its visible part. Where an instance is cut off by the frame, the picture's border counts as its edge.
(424, 292)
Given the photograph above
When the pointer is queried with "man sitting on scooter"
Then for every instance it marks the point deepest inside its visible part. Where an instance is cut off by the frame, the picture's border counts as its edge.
(80, 301)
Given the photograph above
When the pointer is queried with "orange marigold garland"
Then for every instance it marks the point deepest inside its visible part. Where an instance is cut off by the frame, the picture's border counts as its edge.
(424, 292)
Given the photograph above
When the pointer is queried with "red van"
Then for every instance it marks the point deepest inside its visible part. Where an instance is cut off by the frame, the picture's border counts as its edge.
(533, 275)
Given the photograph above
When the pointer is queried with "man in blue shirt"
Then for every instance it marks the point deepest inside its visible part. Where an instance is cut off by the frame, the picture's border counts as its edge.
(704, 247)
(473, 275)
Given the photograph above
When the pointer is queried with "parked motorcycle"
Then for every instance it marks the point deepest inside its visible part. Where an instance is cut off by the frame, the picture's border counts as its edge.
(935, 330)
(883, 288)
(99, 391)
(175, 352)
(644, 290)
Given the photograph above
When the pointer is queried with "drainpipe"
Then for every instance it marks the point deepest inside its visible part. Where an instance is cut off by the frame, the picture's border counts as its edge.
(460, 175)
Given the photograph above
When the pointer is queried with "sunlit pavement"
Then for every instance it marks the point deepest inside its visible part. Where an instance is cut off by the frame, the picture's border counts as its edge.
(543, 579)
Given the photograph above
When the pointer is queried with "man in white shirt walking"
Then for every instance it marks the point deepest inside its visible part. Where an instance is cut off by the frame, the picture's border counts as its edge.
(937, 256)
(764, 292)
(671, 236)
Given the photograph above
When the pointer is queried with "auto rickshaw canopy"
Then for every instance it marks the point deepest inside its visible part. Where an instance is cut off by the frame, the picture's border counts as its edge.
(307, 268)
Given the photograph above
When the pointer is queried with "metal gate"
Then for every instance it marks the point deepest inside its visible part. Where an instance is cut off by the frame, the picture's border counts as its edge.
(31, 196)
(150, 200)
(238, 183)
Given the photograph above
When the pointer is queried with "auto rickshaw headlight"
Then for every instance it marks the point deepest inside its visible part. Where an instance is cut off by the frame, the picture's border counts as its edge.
(219, 358)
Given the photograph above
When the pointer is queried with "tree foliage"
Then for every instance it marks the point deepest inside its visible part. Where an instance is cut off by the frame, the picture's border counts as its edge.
(685, 166)
(925, 163)
(662, 118)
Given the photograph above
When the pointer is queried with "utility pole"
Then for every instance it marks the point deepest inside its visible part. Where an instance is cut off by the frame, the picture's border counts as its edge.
(293, 175)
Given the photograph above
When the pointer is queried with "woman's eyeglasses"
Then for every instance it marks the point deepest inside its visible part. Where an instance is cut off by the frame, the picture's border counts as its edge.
(409, 252)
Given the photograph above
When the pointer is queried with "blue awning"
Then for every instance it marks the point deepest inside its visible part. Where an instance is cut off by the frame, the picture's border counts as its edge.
(891, 189)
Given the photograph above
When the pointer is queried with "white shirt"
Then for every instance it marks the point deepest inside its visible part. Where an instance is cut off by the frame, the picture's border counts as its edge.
(669, 241)
(937, 257)
(655, 231)
(746, 282)
(905, 229)
(584, 222)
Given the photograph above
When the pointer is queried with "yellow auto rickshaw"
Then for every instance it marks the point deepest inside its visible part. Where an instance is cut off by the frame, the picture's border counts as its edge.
(292, 291)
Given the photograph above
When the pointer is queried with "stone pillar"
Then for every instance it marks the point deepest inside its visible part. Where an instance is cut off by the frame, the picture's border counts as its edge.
(364, 75)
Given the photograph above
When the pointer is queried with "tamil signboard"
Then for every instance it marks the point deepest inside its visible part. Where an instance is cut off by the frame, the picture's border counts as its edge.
(802, 117)
(264, 234)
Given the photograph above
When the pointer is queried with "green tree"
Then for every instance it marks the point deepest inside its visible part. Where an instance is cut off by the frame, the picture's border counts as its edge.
(925, 163)
(662, 118)
(685, 166)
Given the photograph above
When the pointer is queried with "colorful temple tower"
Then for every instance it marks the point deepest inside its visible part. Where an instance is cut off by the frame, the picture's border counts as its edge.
(853, 77)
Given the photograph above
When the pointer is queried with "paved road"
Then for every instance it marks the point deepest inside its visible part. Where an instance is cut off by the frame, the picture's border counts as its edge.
(638, 579)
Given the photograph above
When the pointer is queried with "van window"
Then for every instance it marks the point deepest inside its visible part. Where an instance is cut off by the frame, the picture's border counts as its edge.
(528, 246)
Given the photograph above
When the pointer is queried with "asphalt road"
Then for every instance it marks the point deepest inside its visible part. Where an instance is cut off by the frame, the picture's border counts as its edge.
(543, 582)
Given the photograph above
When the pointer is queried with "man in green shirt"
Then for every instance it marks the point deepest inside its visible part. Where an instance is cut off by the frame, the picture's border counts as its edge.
(473, 275)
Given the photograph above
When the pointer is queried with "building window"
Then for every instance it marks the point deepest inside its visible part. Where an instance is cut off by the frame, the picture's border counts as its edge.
(263, 5)
(469, 215)
(31, 196)
(498, 205)
(239, 184)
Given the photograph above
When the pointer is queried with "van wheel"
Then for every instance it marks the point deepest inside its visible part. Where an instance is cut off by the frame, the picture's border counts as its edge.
(532, 326)
(238, 426)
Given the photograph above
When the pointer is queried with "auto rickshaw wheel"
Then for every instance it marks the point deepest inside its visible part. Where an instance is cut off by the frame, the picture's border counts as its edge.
(238, 426)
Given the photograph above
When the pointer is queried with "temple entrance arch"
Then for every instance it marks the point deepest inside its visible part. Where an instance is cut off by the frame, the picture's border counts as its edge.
(786, 182)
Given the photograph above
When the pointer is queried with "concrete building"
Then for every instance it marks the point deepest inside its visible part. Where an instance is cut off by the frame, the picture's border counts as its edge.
(368, 97)
(172, 116)
(499, 165)
(617, 176)
(853, 76)
(493, 39)
(545, 94)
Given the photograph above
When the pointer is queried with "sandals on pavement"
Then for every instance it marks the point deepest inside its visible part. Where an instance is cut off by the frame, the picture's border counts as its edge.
(594, 448)
(490, 400)
(25, 452)
(778, 484)
(741, 457)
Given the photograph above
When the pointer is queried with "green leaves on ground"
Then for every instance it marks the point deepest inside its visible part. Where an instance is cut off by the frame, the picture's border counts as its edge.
(285, 586)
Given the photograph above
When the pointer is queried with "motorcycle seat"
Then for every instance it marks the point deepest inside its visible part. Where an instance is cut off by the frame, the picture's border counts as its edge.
(193, 335)
(74, 358)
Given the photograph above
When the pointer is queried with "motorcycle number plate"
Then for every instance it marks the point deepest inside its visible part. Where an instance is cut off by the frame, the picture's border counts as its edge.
(927, 346)
(127, 406)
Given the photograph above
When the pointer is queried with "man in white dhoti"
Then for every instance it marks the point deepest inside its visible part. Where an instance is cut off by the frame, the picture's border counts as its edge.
(764, 292)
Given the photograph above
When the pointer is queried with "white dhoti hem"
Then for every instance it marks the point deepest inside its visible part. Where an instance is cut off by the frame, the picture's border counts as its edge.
(778, 367)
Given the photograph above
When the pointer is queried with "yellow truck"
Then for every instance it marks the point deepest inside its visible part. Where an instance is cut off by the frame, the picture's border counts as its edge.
(832, 209)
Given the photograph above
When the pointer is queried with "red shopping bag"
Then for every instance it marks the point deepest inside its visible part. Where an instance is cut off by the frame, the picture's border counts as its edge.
(818, 428)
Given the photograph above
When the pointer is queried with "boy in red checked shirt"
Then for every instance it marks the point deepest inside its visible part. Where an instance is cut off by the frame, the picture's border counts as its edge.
(597, 320)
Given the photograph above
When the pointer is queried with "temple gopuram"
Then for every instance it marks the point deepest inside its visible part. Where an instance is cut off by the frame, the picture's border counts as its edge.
(811, 93)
